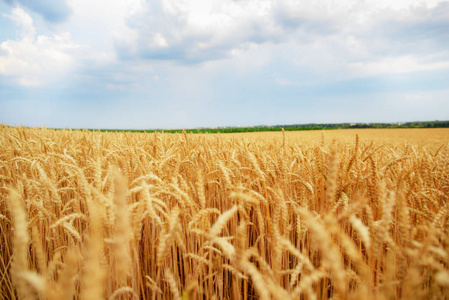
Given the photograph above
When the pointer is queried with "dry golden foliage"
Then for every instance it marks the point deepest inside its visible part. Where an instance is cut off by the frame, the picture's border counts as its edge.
(311, 215)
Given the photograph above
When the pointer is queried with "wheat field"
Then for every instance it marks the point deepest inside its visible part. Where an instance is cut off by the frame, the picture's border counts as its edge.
(307, 215)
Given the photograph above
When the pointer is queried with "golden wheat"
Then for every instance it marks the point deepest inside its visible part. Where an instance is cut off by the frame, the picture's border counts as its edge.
(307, 215)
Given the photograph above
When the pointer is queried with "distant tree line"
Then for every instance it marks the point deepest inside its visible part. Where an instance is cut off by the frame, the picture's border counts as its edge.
(310, 126)
(295, 127)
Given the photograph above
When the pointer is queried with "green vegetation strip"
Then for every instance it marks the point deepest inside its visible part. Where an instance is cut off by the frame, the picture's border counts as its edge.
(295, 127)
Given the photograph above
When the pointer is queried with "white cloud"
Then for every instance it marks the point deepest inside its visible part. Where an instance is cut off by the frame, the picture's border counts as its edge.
(51, 10)
(324, 38)
(349, 38)
(159, 41)
(99, 22)
(397, 65)
(35, 60)
(370, 40)
(23, 21)
(195, 31)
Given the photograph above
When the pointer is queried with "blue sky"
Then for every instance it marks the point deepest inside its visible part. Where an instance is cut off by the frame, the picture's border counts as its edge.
(195, 63)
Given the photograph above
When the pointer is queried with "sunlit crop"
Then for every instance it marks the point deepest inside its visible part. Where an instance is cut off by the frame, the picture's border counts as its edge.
(90, 215)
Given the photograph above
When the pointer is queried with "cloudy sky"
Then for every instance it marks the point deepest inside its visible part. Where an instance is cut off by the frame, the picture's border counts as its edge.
(206, 63)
